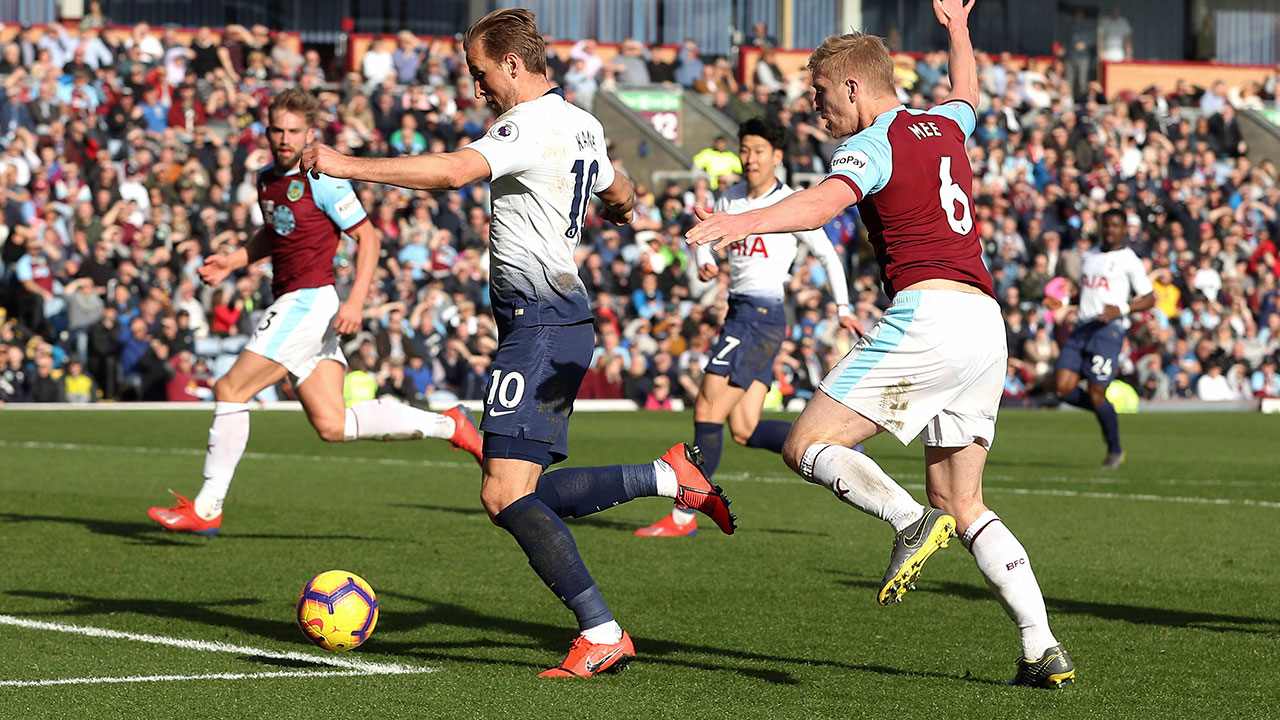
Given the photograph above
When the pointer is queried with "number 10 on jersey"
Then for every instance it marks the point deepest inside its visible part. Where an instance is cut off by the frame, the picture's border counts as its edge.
(584, 178)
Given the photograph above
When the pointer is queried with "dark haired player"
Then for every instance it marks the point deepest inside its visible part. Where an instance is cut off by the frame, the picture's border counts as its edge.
(740, 369)
(1110, 275)
(545, 159)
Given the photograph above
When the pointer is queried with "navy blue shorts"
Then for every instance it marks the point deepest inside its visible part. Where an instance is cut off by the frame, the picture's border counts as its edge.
(749, 341)
(532, 385)
(1093, 351)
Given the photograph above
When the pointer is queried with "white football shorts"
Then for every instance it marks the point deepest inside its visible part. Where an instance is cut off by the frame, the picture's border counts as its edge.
(934, 366)
(297, 331)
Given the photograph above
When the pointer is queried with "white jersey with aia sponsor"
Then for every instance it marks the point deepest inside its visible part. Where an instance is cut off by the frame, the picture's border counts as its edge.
(760, 265)
(547, 158)
(1110, 278)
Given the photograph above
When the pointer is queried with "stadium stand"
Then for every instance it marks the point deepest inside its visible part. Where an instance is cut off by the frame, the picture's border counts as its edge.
(127, 154)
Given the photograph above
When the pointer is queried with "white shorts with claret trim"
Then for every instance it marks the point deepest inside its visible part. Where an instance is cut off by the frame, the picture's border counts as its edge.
(297, 331)
(934, 366)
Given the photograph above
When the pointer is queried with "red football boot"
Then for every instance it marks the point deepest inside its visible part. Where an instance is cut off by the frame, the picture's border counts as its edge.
(182, 517)
(668, 527)
(695, 491)
(465, 435)
(587, 658)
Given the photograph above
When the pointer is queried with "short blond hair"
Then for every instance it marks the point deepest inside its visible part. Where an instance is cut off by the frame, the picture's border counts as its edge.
(510, 30)
(858, 55)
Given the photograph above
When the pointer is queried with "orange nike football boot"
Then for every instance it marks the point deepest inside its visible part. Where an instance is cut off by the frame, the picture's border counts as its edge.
(587, 658)
(694, 490)
(465, 435)
(668, 527)
(182, 517)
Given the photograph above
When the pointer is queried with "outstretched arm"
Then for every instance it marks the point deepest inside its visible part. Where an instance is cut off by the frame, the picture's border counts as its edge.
(806, 210)
(822, 248)
(961, 64)
(218, 266)
(434, 171)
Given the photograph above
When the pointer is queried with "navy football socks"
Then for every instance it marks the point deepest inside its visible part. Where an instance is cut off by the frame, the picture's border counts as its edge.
(1110, 423)
(578, 492)
(1079, 398)
(769, 435)
(1106, 413)
(554, 556)
(709, 437)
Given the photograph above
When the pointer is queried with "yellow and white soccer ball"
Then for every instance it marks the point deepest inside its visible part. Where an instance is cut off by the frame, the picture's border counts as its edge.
(337, 610)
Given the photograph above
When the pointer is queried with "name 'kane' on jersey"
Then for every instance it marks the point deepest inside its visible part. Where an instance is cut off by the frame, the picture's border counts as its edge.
(547, 157)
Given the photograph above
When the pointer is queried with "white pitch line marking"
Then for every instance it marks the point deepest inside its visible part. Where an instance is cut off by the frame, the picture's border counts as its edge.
(1133, 496)
(739, 477)
(161, 678)
(348, 666)
(1050, 492)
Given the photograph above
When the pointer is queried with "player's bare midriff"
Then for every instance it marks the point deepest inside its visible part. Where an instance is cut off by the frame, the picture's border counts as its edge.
(941, 284)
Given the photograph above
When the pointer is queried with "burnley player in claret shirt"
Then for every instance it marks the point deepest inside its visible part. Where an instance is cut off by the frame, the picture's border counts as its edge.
(934, 365)
(298, 334)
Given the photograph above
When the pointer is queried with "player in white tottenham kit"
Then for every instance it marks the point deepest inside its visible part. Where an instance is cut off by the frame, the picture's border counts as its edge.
(298, 334)
(1109, 277)
(740, 370)
(544, 158)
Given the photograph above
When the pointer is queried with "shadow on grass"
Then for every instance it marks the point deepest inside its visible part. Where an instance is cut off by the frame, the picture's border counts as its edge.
(770, 668)
(485, 647)
(278, 662)
(140, 533)
(148, 533)
(1138, 615)
(213, 613)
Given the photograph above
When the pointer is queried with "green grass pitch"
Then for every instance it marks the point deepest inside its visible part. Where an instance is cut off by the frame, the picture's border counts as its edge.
(1161, 578)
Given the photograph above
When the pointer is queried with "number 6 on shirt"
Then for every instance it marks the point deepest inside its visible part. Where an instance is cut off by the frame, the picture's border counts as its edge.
(951, 194)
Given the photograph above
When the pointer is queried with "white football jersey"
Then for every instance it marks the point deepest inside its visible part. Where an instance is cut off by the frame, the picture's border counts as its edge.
(547, 158)
(1110, 278)
(760, 266)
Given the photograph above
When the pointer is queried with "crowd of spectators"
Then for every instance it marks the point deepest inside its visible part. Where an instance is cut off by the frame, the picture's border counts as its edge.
(125, 158)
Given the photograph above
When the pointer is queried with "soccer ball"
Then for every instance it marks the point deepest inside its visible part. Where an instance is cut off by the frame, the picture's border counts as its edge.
(337, 610)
